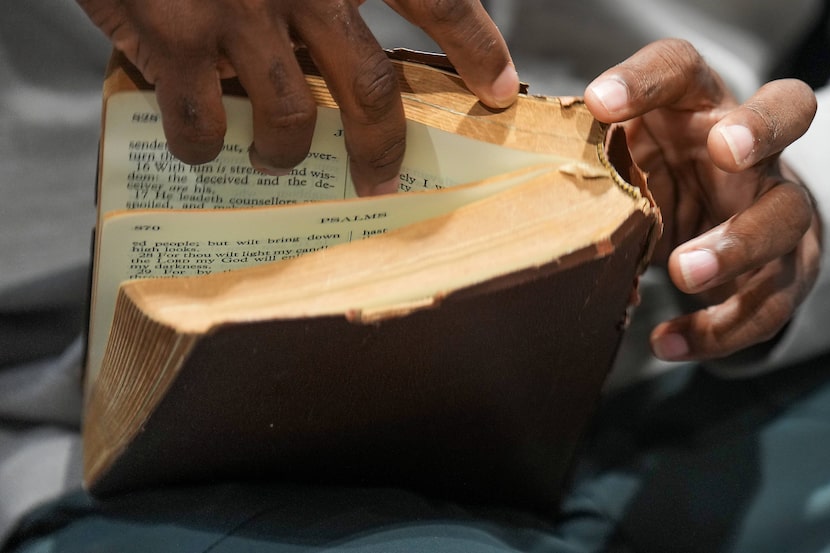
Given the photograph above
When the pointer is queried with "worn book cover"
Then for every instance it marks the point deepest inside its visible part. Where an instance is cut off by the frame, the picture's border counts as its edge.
(452, 337)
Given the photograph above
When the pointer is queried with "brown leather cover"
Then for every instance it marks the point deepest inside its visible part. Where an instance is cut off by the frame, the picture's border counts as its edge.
(485, 396)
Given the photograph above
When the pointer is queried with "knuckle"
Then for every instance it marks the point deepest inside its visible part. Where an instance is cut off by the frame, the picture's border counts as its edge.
(289, 107)
(682, 63)
(376, 89)
(288, 117)
(774, 316)
(683, 53)
(385, 158)
(682, 58)
(389, 155)
(717, 345)
(739, 244)
(283, 132)
(794, 204)
(478, 39)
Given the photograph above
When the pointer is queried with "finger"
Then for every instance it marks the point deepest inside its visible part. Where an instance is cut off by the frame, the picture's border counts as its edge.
(472, 42)
(763, 299)
(666, 73)
(190, 99)
(775, 116)
(284, 112)
(755, 313)
(772, 227)
(365, 85)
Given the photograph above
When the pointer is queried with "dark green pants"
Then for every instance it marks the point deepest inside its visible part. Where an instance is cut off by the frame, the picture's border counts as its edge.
(686, 462)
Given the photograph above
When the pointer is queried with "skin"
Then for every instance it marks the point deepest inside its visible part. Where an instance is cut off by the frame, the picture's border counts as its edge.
(741, 232)
(185, 47)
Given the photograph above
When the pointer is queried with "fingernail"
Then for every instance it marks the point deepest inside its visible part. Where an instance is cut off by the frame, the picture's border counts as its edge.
(740, 141)
(671, 347)
(258, 163)
(698, 267)
(505, 87)
(612, 94)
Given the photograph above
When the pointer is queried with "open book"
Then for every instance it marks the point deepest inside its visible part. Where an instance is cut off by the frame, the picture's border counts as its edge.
(454, 335)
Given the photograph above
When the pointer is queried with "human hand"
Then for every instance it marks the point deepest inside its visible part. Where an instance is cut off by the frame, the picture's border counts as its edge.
(184, 47)
(741, 232)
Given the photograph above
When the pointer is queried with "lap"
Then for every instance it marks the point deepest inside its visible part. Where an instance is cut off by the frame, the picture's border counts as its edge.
(685, 462)
(690, 462)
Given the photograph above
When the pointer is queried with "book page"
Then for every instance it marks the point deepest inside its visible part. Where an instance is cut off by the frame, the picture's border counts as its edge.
(160, 217)
(138, 171)
(161, 243)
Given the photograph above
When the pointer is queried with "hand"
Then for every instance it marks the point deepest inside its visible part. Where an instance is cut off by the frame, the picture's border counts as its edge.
(185, 46)
(741, 231)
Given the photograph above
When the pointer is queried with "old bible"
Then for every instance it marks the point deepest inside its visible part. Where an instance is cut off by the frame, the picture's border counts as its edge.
(453, 336)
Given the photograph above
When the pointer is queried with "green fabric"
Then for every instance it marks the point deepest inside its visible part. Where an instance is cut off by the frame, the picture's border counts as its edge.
(686, 462)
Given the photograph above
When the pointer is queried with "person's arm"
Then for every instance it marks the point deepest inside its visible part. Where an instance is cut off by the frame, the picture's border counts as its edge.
(184, 47)
(741, 231)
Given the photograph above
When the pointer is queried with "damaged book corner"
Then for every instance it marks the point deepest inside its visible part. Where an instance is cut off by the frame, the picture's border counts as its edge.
(453, 337)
